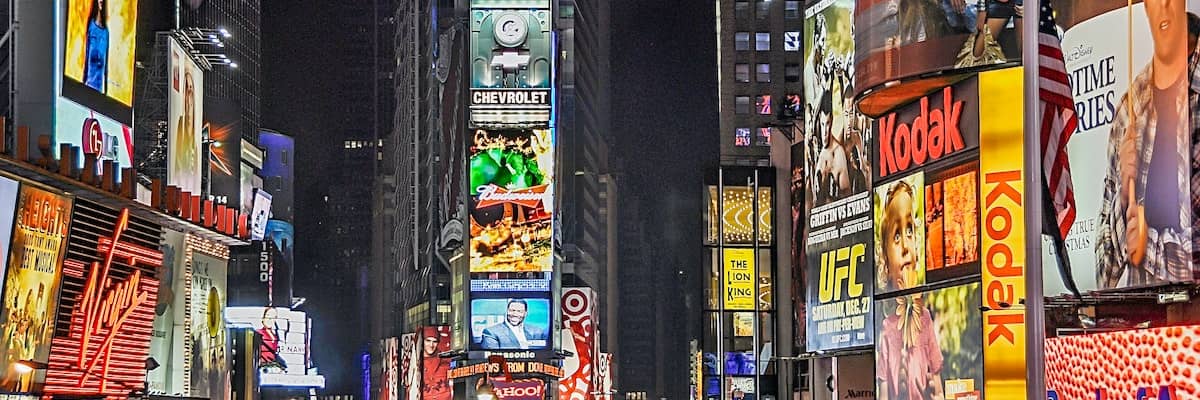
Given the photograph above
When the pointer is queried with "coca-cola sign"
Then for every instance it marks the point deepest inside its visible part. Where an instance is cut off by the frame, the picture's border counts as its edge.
(522, 389)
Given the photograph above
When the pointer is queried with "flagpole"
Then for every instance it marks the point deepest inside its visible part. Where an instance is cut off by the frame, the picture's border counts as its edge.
(1035, 331)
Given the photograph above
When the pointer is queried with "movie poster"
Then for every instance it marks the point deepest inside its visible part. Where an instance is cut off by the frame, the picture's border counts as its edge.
(185, 121)
(435, 384)
(936, 337)
(900, 234)
(836, 188)
(1130, 156)
(31, 284)
(512, 200)
(390, 364)
(209, 358)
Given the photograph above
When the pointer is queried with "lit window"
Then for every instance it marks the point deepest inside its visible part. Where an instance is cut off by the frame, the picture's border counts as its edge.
(763, 104)
(762, 41)
(793, 101)
(791, 41)
(791, 72)
(762, 72)
(741, 72)
(741, 104)
(741, 137)
(763, 138)
(346, 144)
(741, 41)
(791, 9)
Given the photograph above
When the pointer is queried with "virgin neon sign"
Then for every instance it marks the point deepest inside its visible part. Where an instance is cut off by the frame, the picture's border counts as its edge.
(110, 322)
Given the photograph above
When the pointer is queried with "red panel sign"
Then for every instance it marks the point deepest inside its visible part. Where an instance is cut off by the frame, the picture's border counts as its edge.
(1161, 363)
(522, 389)
(105, 349)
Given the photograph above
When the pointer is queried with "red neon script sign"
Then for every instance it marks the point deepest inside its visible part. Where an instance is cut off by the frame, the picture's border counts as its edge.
(105, 305)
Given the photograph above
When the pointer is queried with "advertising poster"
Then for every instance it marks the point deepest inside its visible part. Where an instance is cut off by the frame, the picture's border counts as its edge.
(169, 317)
(435, 383)
(278, 172)
(31, 284)
(93, 133)
(185, 120)
(99, 47)
(952, 222)
(410, 373)
(283, 236)
(900, 234)
(604, 375)
(510, 324)
(246, 188)
(512, 61)
(897, 40)
(580, 337)
(223, 119)
(935, 337)
(389, 385)
(260, 214)
(738, 273)
(512, 200)
(839, 257)
(209, 358)
(284, 333)
(1130, 161)
(520, 389)
(1001, 189)
(1155, 363)
(850, 379)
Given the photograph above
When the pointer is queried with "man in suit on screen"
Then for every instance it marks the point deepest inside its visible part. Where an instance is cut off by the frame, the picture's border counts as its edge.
(513, 332)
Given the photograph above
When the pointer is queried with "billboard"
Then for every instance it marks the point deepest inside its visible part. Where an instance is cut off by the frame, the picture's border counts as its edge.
(900, 234)
(93, 133)
(839, 260)
(31, 283)
(1138, 363)
(410, 373)
(580, 337)
(260, 214)
(282, 235)
(8, 207)
(278, 172)
(510, 324)
(185, 120)
(512, 62)
(1132, 185)
(97, 63)
(223, 119)
(106, 310)
(738, 274)
(1003, 241)
(929, 345)
(209, 361)
(900, 43)
(435, 384)
(512, 200)
(283, 355)
(952, 222)
(390, 369)
(169, 317)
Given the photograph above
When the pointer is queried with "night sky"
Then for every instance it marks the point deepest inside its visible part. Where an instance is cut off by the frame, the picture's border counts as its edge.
(664, 118)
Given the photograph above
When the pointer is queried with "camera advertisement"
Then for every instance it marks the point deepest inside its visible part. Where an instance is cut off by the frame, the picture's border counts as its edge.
(512, 62)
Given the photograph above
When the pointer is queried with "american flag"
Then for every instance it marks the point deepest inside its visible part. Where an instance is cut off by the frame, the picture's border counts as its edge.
(1058, 120)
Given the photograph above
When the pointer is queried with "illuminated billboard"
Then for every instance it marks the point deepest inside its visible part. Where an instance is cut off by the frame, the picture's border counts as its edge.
(260, 214)
(98, 53)
(512, 200)
(738, 215)
(32, 281)
(284, 353)
(510, 324)
(512, 62)
(898, 44)
(208, 361)
(222, 121)
(580, 337)
(8, 203)
(106, 310)
(169, 316)
(278, 172)
(1133, 221)
(928, 344)
(435, 384)
(1132, 364)
(389, 381)
(185, 120)
(900, 234)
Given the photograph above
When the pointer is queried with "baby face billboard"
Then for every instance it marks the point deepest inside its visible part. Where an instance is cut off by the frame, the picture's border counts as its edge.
(512, 200)
(1130, 157)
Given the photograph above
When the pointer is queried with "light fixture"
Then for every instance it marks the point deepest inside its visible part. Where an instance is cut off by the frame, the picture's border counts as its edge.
(485, 391)
(232, 65)
(224, 32)
(26, 366)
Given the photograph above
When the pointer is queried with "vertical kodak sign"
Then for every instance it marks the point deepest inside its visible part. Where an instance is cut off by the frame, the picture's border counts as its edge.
(739, 279)
(1002, 191)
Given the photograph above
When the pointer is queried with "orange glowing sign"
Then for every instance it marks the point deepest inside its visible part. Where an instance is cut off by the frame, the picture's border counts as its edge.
(110, 320)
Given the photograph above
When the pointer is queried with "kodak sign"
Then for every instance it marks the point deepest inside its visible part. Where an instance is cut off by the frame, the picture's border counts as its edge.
(1003, 232)
(936, 126)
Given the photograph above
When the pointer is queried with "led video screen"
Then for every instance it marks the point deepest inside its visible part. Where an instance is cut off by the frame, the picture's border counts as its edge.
(510, 324)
